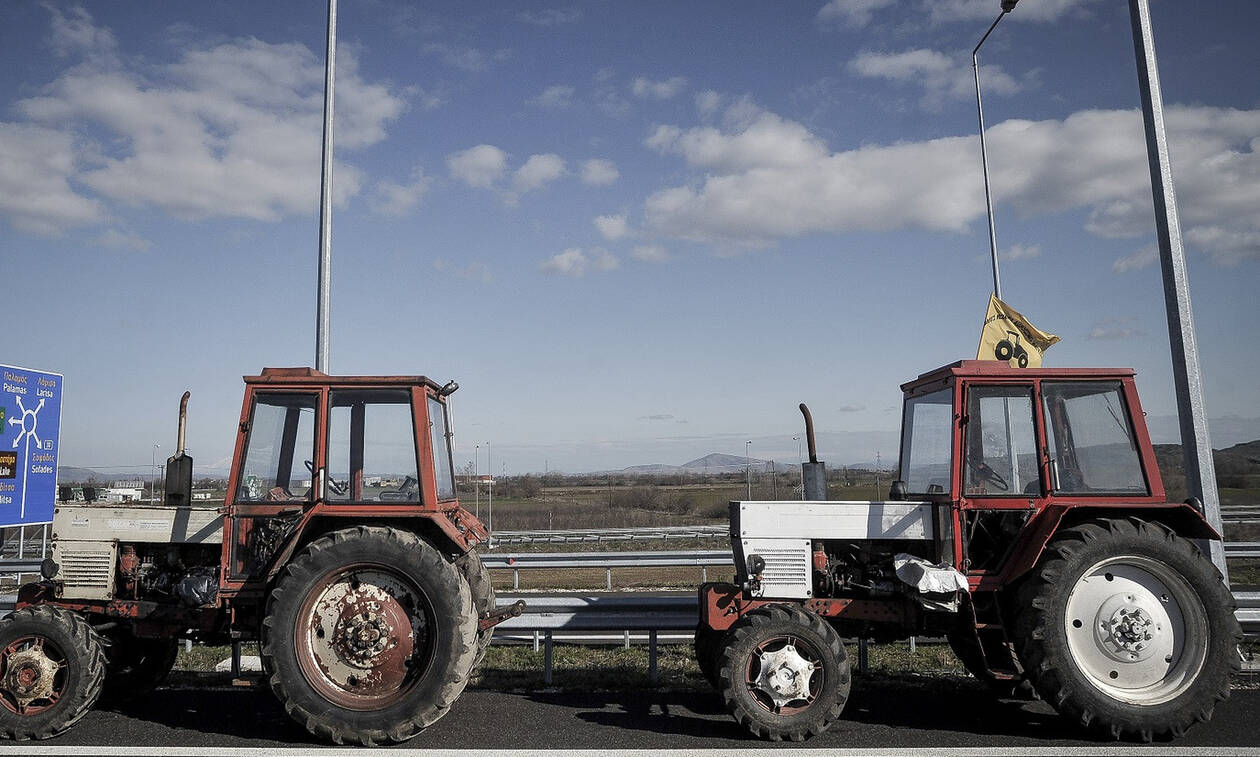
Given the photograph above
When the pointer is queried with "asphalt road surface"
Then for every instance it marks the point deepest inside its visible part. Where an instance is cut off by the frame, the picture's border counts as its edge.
(887, 715)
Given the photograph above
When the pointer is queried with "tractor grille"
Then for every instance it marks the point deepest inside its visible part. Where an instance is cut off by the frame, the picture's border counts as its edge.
(85, 570)
(786, 575)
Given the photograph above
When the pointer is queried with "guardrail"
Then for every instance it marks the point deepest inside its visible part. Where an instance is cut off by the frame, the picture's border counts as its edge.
(610, 534)
(703, 559)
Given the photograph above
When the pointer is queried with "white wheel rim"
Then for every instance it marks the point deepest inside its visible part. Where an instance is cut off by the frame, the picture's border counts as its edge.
(1136, 629)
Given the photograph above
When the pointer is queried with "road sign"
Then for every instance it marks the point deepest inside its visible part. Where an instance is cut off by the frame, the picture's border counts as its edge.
(30, 421)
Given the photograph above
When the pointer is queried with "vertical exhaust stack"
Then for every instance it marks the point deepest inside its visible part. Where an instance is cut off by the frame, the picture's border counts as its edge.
(179, 467)
(813, 473)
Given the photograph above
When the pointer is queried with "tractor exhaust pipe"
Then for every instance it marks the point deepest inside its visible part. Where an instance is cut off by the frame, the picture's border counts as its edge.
(179, 466)
(813, 473)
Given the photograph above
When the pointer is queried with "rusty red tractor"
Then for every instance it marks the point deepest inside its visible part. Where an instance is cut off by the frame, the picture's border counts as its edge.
(1028, 525)
(341, 548)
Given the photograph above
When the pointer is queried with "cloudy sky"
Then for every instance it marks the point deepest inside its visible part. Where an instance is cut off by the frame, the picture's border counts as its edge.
(633, 231)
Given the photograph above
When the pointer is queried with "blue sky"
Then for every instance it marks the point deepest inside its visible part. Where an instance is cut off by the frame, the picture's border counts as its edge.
(633, 232)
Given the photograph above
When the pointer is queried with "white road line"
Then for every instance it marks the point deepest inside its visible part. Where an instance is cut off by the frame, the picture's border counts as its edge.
(1082, 751)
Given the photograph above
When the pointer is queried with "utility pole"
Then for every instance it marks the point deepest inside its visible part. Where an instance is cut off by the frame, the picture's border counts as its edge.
(1187, 380)
(322, 319)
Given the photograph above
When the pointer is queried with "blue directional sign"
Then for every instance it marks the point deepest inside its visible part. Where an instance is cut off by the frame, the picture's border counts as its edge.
(30, 419)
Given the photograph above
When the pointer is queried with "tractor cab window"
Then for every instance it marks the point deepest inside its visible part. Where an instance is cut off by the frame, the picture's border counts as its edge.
(926, 442)
(440, 434)
(371, 447)
(1001, 447)
(278, 457)
(1090, 438)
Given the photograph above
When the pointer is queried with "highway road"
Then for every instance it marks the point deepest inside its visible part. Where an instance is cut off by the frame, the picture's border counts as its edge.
(890, 716)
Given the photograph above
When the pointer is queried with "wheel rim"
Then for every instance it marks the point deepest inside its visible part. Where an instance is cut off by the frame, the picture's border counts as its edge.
(784, 674)
(1136, 629)
(364, 636)
(33, 675)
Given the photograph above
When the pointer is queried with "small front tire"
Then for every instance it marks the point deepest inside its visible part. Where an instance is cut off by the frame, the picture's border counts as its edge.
(52, 665)
(783, 674)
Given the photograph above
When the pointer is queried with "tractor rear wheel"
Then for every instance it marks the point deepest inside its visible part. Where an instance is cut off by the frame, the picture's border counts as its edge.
(52, 665)
(370, 635)
(1128, 630)
(784, 675)
(482, 589)
(136, 666)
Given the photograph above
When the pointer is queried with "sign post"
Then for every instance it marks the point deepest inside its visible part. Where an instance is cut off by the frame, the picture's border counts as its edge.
(30, 421)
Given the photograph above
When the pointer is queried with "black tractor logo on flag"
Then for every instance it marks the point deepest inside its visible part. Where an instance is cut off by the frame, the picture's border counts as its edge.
(1005, 350)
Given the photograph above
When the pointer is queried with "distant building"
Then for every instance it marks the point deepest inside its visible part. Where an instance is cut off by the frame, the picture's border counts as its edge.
(134, 483)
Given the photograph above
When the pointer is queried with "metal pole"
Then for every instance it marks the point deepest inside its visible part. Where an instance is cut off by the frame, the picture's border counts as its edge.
(984, 159)
(325, 198)
(748, 468)
(1191, 414)
(490, 488)
(477, 482)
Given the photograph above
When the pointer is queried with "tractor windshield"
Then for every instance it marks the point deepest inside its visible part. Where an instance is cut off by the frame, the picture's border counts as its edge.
(440, 434)
(927, 442)
(1091, 439)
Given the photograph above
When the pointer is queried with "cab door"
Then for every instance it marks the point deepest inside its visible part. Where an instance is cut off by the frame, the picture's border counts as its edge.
(1001, 471)
(275, 478)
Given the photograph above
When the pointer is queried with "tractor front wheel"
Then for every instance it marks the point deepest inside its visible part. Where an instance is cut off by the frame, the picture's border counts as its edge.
(52, 665)
(370, 635)
(1128, 630)
(784, 675)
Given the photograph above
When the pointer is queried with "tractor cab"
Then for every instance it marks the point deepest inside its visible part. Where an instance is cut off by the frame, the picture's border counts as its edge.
(1007, 447)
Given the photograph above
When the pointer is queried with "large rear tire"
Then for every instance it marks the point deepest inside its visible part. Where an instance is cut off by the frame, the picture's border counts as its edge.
(783, 675)
(481, 587)
(370, 635)
(1128, 630)
(52, 665)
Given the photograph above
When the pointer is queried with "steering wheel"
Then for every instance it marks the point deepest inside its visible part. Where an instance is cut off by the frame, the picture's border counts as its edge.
(988, 475)
(337, 486)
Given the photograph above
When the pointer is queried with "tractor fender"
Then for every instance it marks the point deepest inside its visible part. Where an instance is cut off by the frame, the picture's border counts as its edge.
(1180, 517)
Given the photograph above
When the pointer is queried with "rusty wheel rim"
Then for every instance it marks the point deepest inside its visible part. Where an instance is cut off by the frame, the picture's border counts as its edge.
(784, 675)
(364, 636)
(33, 675)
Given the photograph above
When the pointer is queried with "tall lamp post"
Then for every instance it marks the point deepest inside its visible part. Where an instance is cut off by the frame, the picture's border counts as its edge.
(477, 482)
(1007, 7)
(748, 467)
(153, 472)
(490, 495)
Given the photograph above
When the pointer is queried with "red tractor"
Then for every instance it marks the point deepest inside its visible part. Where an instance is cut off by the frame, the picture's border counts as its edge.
(341, 548)
(1028, 525)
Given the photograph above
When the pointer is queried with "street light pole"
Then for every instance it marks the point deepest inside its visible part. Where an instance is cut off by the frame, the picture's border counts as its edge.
(322, 319)
(748, 467)
(153, 473)
(490, 470)
(1007, 7)
(1196, 446)
(477, 482)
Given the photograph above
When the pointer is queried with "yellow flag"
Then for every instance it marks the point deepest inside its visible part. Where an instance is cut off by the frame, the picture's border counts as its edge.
(1007, 335)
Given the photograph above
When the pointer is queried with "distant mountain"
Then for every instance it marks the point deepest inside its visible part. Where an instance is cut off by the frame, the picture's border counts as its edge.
(710, 464)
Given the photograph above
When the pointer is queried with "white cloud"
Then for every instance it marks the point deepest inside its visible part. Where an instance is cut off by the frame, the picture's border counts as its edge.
(650, 253)
(771, 178)
(555, 96)
(612, 227)
(231, 130)
(123, 240)
(940, 76)
(36, 166)
(397, 199)
(474, 271)
(576, 263)
(1115, 328)
(551, 16)
(945, 11)
(481, 166)
(1143, 258)
(458, 56)
(658, 90)
(855, 13)
(1020, 252)
(708, 102)
(598, 172)
(537, 172)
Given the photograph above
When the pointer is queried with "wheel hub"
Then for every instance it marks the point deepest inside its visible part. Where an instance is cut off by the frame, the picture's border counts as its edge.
(1126, 630)
(785, 675)
(362, 636)
(30, 676)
